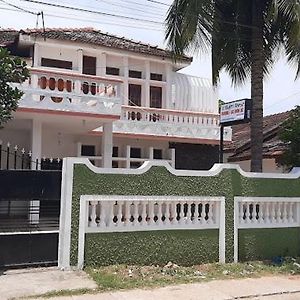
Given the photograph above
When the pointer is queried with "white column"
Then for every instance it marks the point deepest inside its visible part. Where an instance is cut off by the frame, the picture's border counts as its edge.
(36, 143)
(80, 60)
(101, 64)
(128, 156)
(147, 85)
(36, 150)
(36, 54)
(125, 82)
(168, 90)
(107, 145)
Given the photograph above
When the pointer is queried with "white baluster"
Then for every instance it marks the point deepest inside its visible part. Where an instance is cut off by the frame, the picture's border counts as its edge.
(284, 213)
(210, 213)
(189, 213)
(159, 213)
(181, 214)
(110, 214)
(290, 213)
(278, 213)
(136, 213)
(168, 214)
(247, 212)
(261, 216)
(241, 212)
(195, 219)
(173, 213)
(93, 214)
(102, 214)
(119, 213)
(144, 213)
(151, 213)
(201, 212)
(273, 212)
(254, 214)
(127, 214)
(266, 213)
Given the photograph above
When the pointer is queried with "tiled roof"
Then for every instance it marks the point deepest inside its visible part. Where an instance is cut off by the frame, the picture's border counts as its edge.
(272, 145)
(91, 36)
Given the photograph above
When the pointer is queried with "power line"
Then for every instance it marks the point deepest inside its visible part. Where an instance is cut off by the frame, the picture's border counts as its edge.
(158, 2)
(20, 8)
(92, 11)
(127, 7)
(66, 16)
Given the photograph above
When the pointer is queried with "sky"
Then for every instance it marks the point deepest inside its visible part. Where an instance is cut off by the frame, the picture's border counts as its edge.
(142, 20)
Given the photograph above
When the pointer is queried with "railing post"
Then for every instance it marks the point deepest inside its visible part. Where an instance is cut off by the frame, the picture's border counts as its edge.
(7, 155)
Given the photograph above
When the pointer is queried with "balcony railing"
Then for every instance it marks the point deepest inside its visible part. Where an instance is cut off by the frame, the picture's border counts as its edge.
(172, 123)
(134, 113)
(71, 92)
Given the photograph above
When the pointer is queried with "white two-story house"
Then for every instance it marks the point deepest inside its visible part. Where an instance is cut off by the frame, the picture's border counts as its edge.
(114, 100)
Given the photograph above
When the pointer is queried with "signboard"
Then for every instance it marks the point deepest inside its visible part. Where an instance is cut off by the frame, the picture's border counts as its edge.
(235, 112)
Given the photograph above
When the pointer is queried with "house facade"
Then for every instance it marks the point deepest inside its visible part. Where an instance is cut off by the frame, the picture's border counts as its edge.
(111, 99)
(239, 150)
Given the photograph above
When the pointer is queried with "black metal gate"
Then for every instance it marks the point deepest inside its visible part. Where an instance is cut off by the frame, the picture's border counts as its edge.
(29, 217)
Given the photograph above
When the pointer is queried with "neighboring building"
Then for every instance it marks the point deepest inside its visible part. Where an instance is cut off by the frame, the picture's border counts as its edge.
(115, 100)
(239, 150)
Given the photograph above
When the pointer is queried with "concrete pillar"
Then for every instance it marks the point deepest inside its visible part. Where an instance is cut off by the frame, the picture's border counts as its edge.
(125, 82)
(107, 145)
(80, 60)
(147, 85)
(168, 90)
(36, 143)
(128, 156)
(36, 54)
(101, 64)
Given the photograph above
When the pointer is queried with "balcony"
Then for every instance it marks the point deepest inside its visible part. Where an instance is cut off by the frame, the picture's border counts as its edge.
(169, 123)
(71, 92)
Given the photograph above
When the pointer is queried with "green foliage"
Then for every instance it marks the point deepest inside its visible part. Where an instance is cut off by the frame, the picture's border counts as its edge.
(290, 135)
(229, 27)
(12, 70)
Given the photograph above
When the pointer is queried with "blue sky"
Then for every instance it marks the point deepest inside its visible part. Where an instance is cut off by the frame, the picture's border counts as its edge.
(281, 91)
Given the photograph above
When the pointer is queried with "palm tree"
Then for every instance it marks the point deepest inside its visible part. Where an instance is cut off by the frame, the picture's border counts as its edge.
(245, 37)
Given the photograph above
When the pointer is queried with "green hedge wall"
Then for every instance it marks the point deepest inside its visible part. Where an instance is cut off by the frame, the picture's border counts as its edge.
(184, 247)
(158, 181)
(257, 244)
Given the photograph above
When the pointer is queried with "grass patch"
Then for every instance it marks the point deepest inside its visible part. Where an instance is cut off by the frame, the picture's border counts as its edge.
(129, 277)
(123, 277)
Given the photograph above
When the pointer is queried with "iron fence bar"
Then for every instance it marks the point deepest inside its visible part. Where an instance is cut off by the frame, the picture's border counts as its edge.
(7, 156)
(0, 155)
(15, 157)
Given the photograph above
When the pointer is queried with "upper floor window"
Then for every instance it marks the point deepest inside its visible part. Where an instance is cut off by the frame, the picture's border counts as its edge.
(89, 65)
(112, 71)
(157, 153)
(134, 94)
(56, 63)
(156, 76)
(155, 96)
(135, 74)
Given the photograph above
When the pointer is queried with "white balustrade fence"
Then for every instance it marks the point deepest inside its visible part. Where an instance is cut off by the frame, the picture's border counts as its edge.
(144, 213)
(70, 91)
(267, 212)
(264, 212)
(103, 213)
(156, 115)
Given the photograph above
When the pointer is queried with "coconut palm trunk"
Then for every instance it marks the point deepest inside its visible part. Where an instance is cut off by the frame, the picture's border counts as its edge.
(257, 75)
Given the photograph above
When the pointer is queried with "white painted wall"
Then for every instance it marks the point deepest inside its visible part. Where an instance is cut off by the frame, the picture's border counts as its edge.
(269, 166)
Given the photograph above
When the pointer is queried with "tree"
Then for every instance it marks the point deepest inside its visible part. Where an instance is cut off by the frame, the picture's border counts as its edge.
(290, 135)
(12, 70)
(245, 37)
